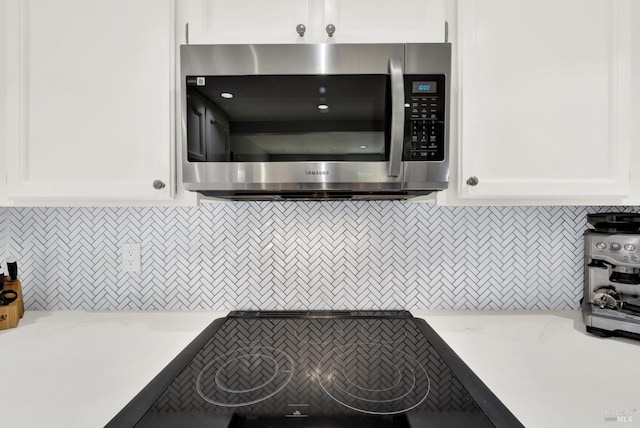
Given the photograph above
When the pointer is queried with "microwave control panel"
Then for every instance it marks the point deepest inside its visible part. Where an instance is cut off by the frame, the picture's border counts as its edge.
(424, 118)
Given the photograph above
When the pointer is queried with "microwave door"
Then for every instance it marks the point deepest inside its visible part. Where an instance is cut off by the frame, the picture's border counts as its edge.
(397, 116)
(272, 119)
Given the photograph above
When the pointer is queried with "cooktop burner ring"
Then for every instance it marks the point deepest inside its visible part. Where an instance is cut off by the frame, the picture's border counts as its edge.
(406, 399)
(223, 387)
(390, 400)
(280, 376)
(348, 379)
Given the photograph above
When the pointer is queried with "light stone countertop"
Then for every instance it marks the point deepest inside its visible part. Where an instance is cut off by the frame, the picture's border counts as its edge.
(78, 369)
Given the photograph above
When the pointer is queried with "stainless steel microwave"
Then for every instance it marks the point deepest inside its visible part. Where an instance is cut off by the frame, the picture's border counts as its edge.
(315, 121)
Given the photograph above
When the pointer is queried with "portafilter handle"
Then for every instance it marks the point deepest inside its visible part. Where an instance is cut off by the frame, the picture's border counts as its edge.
(608, 298)
(630, 307)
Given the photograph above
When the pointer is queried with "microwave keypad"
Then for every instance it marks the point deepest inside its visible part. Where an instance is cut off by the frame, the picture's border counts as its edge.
(426, 131)
(424, 108)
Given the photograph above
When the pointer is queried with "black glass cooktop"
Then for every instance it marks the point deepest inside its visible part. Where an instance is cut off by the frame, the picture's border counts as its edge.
(316, 369)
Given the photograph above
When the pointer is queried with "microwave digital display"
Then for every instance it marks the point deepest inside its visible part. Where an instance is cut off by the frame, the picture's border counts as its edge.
(424, 87)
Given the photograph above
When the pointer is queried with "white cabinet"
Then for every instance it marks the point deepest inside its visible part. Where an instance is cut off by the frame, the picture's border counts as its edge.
(3, 107)
(242, 21)
(90, 100)
(355, 21)
(634, 197)
(543, 90)
(397, 21)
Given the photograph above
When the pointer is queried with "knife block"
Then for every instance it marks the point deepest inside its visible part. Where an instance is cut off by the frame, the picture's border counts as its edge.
(11, 313)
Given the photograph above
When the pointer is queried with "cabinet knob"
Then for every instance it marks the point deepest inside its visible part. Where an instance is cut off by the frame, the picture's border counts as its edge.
(331, 29)
(300, 29)
(473, 181)
(158, 184)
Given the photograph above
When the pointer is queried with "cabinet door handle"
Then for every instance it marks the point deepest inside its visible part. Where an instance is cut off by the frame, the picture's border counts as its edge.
(331, 29)
(158, 184)
(473, 181)
(300, 29)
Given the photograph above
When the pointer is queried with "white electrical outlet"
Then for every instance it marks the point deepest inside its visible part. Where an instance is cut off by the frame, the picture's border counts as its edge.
(131, 257)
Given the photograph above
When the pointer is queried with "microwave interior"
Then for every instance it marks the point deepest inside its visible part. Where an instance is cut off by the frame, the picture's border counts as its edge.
(288, 118)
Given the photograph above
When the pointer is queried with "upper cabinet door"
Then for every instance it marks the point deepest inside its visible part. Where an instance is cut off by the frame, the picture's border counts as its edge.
(544, 91)
(397, 21)
(90, 95)
(243, 21)
(353, 21)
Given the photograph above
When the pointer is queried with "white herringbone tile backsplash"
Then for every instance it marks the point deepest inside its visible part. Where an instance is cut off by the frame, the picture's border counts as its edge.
(300, 255)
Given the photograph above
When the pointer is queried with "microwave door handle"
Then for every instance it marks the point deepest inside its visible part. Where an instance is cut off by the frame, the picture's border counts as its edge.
(397, 116)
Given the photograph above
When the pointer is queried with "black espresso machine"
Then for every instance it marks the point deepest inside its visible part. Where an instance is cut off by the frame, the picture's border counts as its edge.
(611, 302)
